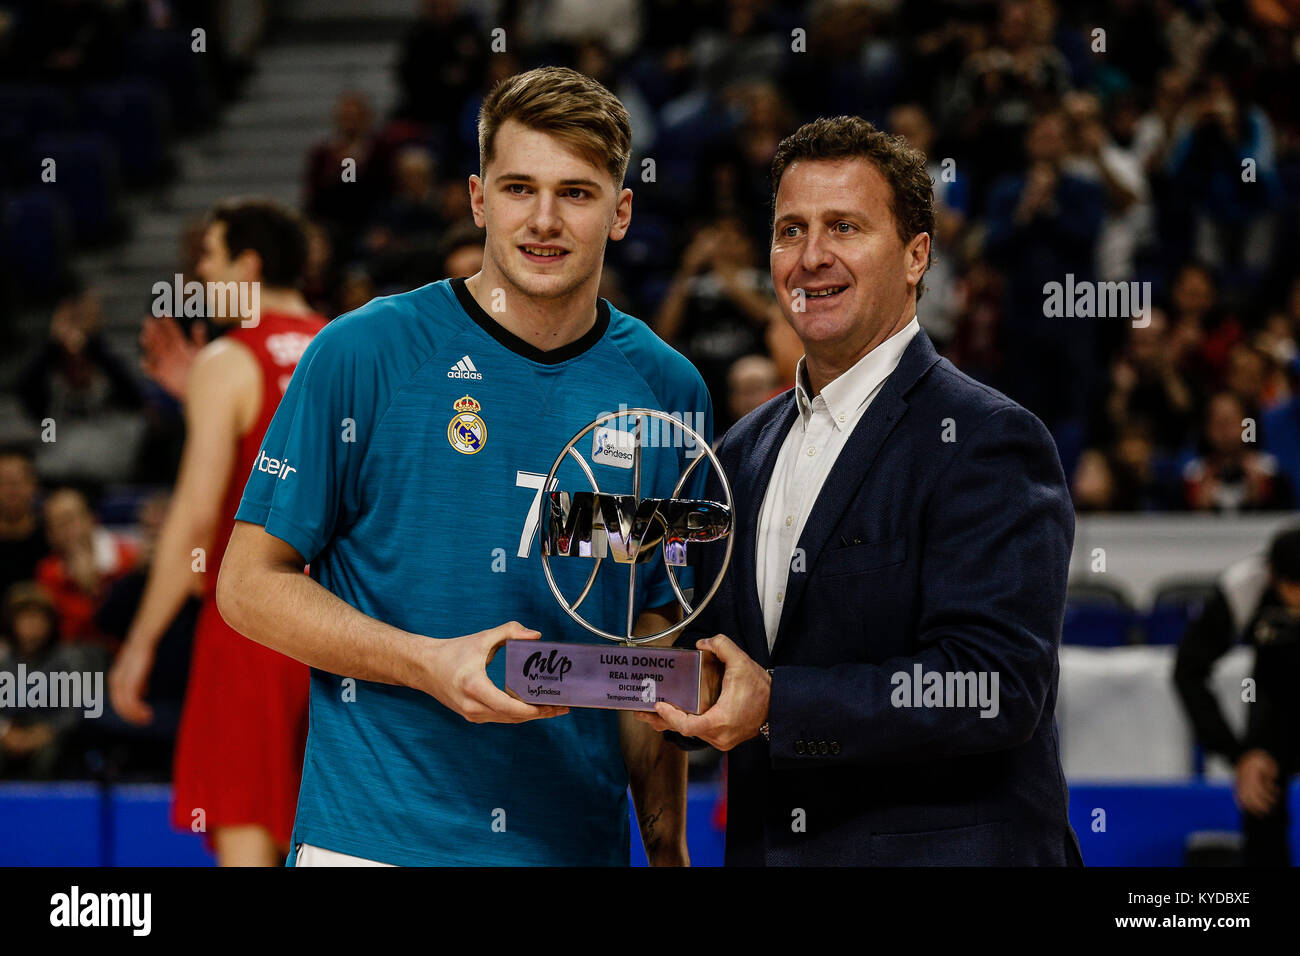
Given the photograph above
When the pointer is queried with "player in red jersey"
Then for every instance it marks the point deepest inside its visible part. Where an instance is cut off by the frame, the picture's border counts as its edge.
(240, 745)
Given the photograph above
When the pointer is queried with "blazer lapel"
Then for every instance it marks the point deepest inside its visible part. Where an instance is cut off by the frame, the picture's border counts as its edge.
(749, 501)
(852, 465)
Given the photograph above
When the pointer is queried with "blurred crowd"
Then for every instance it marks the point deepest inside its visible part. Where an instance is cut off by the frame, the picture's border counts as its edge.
(1144, 141)
(71, 587)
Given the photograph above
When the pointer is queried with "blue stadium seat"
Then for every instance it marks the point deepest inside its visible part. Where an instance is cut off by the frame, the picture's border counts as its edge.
(133, 115)
(166, 58)
(1171, 610)
(26, 112)
(36, 239)
(1098, 615)
(86, 170)
(36, 108)
(1094, 626)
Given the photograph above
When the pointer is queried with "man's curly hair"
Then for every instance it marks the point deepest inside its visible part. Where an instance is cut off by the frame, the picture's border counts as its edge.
(911, 200)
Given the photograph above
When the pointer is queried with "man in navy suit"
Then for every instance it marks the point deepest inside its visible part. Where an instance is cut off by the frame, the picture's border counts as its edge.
(890, 622)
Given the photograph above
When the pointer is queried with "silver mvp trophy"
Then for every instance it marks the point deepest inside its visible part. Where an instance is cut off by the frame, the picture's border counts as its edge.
(629, 673)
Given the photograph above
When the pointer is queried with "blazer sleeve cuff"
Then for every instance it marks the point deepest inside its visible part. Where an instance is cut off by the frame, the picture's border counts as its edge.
(795, 740)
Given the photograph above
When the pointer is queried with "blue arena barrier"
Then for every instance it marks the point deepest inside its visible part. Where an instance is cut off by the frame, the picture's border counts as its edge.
(142, 834)
(1148, 825)
(84, 824)
(51, 824)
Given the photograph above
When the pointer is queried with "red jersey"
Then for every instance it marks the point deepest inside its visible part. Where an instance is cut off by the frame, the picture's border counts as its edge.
(277, 342)
(239, 749)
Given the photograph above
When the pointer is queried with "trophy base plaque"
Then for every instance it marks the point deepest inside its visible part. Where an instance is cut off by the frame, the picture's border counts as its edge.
(609, 677)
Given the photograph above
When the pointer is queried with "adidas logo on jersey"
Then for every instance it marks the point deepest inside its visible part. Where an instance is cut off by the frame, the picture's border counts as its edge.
(464, 369)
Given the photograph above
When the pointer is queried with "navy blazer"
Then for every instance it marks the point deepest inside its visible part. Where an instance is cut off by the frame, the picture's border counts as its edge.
(941, 538)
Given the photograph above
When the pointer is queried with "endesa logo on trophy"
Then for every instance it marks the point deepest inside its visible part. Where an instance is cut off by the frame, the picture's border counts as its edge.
(629, 672)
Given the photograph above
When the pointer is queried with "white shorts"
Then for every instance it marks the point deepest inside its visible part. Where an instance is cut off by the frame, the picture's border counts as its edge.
(309, 855)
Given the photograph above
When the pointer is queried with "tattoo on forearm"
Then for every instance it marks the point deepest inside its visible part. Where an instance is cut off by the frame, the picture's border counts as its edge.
(648, 833)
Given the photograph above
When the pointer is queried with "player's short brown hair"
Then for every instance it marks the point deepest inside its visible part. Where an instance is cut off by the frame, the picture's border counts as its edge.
(273, 230)
(573, 108)
(911, 199)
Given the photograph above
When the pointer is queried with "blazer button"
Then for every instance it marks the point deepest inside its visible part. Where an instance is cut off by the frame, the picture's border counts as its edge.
(835, 746)
(822, 746)
(798, 746)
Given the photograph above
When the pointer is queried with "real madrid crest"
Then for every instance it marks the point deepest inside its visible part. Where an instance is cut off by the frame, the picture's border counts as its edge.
(466, 431)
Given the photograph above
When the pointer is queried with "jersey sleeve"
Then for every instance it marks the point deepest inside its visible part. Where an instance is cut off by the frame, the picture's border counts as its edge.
(303, 486)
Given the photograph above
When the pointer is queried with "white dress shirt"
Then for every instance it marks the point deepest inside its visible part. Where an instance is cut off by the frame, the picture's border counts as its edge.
(811, 446)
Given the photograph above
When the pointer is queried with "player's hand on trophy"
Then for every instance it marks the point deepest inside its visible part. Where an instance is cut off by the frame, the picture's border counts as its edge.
(739, 708)
(711, 672)
(458, 677)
